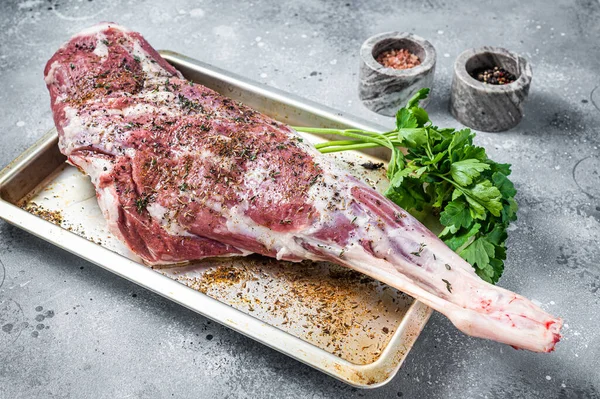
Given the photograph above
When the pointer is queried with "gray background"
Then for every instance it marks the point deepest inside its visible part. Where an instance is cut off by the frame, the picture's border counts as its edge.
(105, 337)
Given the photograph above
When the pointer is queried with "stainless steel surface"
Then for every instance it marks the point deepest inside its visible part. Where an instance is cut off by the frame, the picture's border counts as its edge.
(345, 325)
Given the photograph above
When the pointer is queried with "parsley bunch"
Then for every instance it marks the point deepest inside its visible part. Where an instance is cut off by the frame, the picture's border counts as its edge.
(443, 174)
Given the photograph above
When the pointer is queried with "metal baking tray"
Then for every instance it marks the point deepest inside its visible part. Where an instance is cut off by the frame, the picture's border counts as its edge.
(336, 320)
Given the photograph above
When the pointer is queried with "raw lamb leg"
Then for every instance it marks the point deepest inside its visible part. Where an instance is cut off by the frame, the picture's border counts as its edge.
(183, 173)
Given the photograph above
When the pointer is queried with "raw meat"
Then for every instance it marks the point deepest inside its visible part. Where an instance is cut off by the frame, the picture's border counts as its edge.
(183, 173)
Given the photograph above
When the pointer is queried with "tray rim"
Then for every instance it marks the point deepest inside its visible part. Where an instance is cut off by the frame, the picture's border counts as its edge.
(371, 375)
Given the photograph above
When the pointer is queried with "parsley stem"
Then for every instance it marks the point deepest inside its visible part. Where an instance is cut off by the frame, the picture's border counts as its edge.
(337, 143)
(354, 133)
(359, 146)
(339, 132)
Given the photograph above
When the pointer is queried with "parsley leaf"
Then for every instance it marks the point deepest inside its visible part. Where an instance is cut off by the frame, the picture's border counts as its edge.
(506, 187)
(487, 195)
(478, 254)
(463, 172)
(456, 214)
(420, 95)
(405, 119)
(458, 239)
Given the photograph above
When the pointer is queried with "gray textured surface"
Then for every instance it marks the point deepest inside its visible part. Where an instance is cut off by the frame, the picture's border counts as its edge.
(107, 338)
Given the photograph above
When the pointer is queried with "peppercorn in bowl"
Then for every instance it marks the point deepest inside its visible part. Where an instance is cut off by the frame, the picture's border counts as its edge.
(489, 88)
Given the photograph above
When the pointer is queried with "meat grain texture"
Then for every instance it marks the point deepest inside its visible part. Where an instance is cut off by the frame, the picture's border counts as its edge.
(184, 173)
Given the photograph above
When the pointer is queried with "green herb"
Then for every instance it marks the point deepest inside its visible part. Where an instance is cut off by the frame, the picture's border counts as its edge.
(186, 103)
(314, 179)
(136, 58)
(105, 42)
(72, 66)
(448, 285)
(418, 253)
(141, 203)
(183, 187)
(443, 174)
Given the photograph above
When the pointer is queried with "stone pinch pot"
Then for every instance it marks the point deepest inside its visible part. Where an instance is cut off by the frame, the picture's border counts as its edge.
(487, 107)
(385, 90)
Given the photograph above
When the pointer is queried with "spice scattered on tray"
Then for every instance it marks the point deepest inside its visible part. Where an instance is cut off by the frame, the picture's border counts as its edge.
(51, 216)
(398, 59)
(494, 76)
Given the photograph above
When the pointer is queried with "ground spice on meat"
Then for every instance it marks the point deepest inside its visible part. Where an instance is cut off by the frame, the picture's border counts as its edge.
(398, 59)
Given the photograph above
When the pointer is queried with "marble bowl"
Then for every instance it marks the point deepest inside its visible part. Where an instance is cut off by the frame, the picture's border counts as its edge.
(487, 107)
(385, 90)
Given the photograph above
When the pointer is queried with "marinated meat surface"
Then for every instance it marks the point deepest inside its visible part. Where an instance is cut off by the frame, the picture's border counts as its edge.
(183, 173)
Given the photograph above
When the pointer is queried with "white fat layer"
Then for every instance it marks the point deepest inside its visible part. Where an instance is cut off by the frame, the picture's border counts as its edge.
(109, 204)
(215, 203)
(101, 49)
(285, 243)
(96, 167)
(49, 78)
(70, 130)
(165, 218)
(130, 152)
(73, 128)
(254, 177)
(93, 30)
(107, 197)
(160, 97)
(142, 108)
(157, 211)
(151, 68)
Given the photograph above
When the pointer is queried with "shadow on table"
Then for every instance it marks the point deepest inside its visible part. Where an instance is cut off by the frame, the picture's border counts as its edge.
(545, 114)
